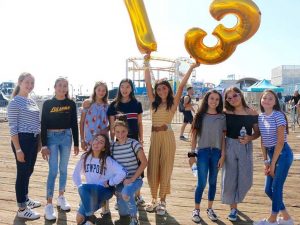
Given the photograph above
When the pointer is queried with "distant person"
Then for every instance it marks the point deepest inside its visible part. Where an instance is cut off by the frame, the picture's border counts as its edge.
(25, 127)
(238, 166)
(59, 125)
(162, 142)
(130, 154)
(281, 101)
(277, 155)
(187, 113)
(101, 173)
(295, 102)
(208, 146)
(94, 119)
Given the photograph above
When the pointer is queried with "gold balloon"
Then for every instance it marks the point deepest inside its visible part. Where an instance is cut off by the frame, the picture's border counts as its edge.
(141, 26)
(248, 15)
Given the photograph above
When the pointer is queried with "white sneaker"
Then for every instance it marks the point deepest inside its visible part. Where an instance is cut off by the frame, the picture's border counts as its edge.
(49, 212)
(29, 214)
(32, 204)
(281, 221)
(63, 203)
(196, 216)
(264, 222)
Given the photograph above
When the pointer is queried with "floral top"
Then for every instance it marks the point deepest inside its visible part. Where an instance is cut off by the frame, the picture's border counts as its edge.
(96, 121)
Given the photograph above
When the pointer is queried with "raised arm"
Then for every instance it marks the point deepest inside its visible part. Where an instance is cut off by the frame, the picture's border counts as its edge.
(183, 83)
(148, 78)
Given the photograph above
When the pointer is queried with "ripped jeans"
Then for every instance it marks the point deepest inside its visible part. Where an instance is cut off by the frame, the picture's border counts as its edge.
(128, 206)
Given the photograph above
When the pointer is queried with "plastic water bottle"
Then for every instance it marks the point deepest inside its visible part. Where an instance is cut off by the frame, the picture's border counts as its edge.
(243, 132)
(194, 170)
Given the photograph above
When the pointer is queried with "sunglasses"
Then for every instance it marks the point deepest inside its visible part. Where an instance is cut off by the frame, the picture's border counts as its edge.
(233, 96)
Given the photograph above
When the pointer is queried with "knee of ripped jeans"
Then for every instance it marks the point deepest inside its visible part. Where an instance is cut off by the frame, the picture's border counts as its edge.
(125, 198)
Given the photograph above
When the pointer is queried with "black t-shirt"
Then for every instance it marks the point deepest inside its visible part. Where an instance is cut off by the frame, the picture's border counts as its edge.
(59, 114)
(131, 109)
(234, 124)
(295, 99)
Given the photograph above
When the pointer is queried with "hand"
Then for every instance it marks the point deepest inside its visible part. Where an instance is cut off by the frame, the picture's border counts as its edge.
(221, 162)
(272, 170)
(106, 184)
(147, 56)
(45, 153)
(192, 160)
(195, 65)
(76, 150)
(128, 181)
(267, 169)
(20, 156)
(245, 140)
(83, 146)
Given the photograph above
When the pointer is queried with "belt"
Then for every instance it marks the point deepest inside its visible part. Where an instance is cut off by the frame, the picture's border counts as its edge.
(164, 127)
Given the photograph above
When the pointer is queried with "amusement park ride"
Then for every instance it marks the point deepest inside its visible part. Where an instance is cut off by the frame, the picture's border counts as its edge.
(163, 68)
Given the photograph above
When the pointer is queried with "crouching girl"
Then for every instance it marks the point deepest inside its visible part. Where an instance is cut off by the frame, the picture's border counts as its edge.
(129, 153)
(101, 173)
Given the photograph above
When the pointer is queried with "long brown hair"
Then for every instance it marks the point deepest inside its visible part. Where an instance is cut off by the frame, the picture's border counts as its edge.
(157, 100)
(102, 156)
(275, 107)
(238, 91)
(20, 80)
(97, 84)
(119, 97)
(63, 79)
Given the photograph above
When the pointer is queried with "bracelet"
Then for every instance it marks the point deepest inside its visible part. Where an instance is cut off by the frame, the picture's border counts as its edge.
(266, 162)
(44, 147)
(18, 150)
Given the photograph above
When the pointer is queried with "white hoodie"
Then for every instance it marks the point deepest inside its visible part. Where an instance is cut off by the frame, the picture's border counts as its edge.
(114, 172)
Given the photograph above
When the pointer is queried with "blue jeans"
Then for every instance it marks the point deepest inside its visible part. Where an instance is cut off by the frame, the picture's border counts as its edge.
(92, 196)
(274, 185)
(29, 144)
(128, 206)
(207, 164)
(58, 143)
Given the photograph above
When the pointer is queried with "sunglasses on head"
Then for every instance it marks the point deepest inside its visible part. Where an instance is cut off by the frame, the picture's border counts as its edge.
(233, 96)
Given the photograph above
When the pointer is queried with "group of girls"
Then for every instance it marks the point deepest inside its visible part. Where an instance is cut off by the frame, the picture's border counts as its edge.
(217, 141)
(109, 166)
(117, 165)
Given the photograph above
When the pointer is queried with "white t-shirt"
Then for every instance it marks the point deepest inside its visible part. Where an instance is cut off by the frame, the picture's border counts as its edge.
(114, 172)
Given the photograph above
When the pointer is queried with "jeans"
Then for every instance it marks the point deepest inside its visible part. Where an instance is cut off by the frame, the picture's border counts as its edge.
(274, 185)
(128, 206)
(92, 196)
(29, 144)
(207, 164)
(59, 144)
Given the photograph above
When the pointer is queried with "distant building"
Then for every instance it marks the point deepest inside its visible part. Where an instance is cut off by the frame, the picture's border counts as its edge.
(242, 84)
(286, 76)
(7, 88)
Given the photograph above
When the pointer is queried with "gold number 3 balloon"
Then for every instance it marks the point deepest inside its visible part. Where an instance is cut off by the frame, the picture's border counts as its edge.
(141, 26)
(248, 15)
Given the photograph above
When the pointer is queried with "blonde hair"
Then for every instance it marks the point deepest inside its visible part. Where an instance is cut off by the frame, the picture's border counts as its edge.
(20, 80)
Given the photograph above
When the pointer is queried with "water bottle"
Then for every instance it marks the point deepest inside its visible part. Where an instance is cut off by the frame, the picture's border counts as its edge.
(194, 170)
(243, 132)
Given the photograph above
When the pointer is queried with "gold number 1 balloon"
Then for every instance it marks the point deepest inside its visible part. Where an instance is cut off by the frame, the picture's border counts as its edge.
(141, 26)
(248, 15)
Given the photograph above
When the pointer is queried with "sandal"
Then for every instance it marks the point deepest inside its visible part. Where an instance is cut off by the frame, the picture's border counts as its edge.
(161, 209)
(150, 207)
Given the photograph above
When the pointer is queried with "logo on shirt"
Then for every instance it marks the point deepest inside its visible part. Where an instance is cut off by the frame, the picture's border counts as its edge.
(60, 109)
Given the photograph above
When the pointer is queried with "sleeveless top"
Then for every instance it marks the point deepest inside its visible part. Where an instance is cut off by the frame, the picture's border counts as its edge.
(162, 116)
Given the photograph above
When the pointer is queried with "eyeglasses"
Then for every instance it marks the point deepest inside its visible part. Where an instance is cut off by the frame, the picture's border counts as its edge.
(233, 96)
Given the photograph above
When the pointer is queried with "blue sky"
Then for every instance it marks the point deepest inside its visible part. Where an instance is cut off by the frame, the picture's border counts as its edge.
(91, 39)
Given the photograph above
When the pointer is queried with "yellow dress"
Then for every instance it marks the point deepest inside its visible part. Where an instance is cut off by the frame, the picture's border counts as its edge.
(161, 153)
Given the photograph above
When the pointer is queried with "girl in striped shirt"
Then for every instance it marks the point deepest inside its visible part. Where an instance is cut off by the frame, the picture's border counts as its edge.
(25, 127)
(278, 156)
(129, 153)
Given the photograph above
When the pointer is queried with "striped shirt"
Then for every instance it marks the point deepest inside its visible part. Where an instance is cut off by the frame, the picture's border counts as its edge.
(125, 154)
(23, 116)
(268, 125)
